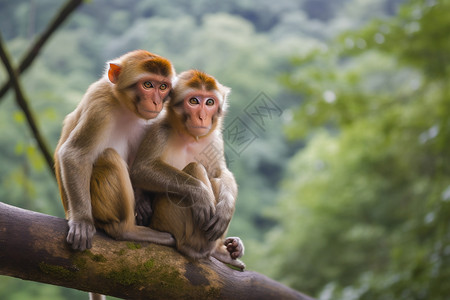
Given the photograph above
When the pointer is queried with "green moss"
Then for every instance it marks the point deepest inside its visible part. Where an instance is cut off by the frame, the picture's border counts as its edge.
(129, 276)
(120, 252)
(94, 257)
(124, 276)
(133, 246)
(57, 271)
(79, 260)
(146, 273)
(99, 258)
(149, 264)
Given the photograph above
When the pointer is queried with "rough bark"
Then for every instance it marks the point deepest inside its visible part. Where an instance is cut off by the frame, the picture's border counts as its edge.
(33, 247)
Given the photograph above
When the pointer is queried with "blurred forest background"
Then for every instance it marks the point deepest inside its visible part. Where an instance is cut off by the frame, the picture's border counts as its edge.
(338, 130)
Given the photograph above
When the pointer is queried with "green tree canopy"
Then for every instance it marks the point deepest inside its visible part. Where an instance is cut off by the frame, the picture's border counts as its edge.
(365, 210)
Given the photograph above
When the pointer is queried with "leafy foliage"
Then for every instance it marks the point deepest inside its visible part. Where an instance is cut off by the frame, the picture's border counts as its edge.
(365, 206)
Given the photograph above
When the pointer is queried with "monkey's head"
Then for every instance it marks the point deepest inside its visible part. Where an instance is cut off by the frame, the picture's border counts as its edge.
(198, 100)
(142, 81)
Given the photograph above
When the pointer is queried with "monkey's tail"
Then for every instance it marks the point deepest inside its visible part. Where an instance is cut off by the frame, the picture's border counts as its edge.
(94, 296)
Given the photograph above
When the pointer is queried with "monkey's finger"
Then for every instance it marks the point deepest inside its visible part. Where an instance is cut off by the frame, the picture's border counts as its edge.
(87, 238)
(201, 217)
(145, 208)
(69, 238)
(76, 243)
(83, 237)
(232, 247)
(211, 224)
(215, 228)
(233, 242)
(230, 241)
(214, 233)
(141, 219)
(88, 243)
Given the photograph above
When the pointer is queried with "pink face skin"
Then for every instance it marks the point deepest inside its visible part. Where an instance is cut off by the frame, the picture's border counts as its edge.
(152, 91)
(200, 107)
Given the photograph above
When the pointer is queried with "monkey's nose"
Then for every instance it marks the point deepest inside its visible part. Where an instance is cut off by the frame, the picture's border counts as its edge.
(202, 115)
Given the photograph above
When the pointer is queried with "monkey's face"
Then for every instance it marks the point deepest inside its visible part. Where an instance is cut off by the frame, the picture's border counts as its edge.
(201, 108)
(152, 91)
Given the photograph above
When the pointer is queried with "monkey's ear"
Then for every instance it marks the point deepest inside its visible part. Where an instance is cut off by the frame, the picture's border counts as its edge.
(113, 72)
(225, 92)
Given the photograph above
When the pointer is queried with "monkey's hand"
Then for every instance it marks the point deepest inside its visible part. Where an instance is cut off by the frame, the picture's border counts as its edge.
(143, 208)
(80, 234)
(204, 207)
(218, 224)
(144, 213)
(235, 247)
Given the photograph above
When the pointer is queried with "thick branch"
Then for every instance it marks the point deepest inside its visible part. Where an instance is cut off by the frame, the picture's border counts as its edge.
(33, 248)
(23, 104)
(34, 50)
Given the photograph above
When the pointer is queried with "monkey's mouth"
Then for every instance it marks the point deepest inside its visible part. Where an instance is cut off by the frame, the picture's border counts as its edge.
(199, 130)
(200, 127)
(151, 112)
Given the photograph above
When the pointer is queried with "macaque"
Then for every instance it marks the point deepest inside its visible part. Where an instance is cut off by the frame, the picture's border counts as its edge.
(99, 141)
(181, 161)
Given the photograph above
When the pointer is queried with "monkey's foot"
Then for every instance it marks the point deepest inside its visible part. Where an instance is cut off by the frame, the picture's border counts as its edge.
(225, 257)
(235, 247)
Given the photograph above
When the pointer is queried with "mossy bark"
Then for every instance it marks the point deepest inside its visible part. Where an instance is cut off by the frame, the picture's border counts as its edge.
(33, 247)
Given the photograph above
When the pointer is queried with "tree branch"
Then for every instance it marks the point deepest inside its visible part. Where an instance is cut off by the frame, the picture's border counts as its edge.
(34, 50)
(23, 104)
(33, 247)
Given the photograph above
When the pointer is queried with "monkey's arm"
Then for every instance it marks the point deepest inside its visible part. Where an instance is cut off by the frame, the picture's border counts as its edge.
(160, 177)
(76, 156)
(151, 173)
(75, 175)
(225, 189)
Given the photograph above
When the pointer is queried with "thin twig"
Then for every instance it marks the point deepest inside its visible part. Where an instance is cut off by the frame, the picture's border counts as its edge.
(33, 52)
(23, 104)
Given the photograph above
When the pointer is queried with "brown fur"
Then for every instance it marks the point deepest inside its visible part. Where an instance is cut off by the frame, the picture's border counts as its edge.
(141, 61)
(200, 80)
(111, 194)
(98, 140)
(189, 239)
(157, 65)
(195, 198)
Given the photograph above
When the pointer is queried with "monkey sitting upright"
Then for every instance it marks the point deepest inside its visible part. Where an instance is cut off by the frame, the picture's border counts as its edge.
(99, 141)
(195, 196)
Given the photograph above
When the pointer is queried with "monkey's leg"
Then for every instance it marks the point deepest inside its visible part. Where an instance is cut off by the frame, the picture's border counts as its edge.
(198, 171)
(178, 220)
(113, 202)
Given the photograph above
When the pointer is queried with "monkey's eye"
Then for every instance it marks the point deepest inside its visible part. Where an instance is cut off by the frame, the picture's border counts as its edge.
(194, 101)
(210, 102)
(147, 84)
(163, 87)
